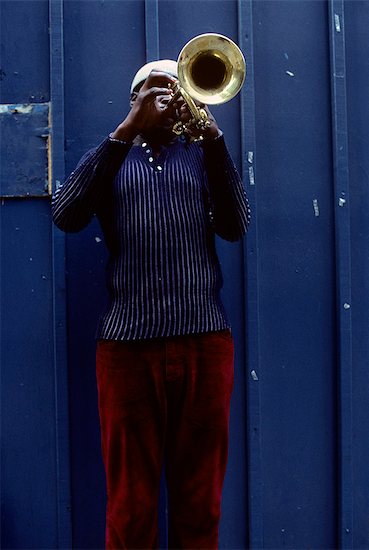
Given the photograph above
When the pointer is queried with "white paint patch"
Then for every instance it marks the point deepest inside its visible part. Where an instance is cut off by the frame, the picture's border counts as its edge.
(254, 376)
(346, 306)
(22, 109)
(337, 22)
(250, 156)
(341, 201)
(290, 73)
(97, 239)
(316, 207)
(251, 175)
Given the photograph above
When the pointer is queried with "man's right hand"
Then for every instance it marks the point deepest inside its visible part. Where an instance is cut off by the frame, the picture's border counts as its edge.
(148, 108)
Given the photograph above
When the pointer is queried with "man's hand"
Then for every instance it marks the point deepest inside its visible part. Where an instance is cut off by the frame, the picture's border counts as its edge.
(209, 132)
(148, 108)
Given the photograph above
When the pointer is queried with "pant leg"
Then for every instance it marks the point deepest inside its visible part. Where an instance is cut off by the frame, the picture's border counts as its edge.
(132, 417)
(197, 437)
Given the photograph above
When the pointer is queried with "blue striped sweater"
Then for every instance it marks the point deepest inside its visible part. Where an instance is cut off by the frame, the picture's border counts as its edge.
(159, 216)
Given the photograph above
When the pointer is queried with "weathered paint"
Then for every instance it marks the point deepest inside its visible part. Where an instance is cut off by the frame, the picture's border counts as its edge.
(24, 145)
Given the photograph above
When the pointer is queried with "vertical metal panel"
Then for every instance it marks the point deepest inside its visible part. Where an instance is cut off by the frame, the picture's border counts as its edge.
(296, 276)
(59, 290)
(177, 25)
(249, 158)
(28, 460)
(343, 268)
(152, 30)
(104, 45)
(179, 22)
(356, 18)
(25, 43)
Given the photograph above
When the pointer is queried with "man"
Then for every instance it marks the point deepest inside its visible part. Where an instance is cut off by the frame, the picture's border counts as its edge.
(165, 350)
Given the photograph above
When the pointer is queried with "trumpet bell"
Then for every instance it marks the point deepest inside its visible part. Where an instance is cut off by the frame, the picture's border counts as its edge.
(211, 68)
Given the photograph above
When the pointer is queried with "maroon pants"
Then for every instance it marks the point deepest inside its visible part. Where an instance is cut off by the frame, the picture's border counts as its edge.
(165, 401)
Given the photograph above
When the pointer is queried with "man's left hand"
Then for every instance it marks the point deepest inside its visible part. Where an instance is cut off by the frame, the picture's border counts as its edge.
(209, 132)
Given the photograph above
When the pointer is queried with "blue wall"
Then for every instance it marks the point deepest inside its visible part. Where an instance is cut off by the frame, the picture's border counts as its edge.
(296, 290)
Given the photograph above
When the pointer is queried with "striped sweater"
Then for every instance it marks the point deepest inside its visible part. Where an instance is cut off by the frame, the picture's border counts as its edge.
(159, 216)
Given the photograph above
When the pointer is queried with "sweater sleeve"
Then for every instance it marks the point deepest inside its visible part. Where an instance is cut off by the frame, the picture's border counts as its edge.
(229, 203)
(77, 200)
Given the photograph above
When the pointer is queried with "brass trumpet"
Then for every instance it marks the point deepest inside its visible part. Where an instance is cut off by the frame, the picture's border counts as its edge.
(211, 70)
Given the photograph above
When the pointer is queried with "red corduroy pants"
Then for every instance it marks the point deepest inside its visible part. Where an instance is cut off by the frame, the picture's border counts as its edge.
(165, 401)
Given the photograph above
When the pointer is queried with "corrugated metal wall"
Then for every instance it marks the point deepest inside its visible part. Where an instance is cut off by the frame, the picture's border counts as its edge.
(297, 289)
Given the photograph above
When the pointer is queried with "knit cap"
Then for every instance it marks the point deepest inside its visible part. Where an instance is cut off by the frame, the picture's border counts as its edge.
(164, 65)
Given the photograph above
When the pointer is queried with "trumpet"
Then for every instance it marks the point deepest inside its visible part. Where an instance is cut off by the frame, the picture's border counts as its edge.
(211, 71)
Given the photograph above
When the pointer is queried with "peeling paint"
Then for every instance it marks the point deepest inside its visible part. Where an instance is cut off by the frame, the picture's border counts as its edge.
(290, 73)
(25, 109)
(254, 376)
(25, 177)
(316, 208)
(251, 175)
(341, 201)
(346, 306)
(250, 157)
(337, 22)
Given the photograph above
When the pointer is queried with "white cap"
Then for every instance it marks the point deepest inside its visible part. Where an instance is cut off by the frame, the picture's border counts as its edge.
(163, 65)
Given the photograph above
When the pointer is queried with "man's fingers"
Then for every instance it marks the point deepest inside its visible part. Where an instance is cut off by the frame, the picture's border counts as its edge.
(152, 94)
(158, 78)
